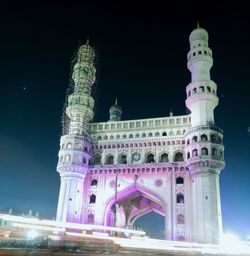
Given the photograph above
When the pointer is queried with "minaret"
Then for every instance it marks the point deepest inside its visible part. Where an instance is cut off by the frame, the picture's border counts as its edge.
(115, 112)
(75, 146)
(204, 147)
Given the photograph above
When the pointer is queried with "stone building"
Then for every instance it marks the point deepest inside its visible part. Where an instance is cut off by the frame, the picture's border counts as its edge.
(116, 171)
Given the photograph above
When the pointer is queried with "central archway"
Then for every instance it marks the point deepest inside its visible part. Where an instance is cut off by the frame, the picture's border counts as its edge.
(130, 204)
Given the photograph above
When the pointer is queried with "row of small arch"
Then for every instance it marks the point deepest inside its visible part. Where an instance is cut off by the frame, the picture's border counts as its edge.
(204, 137)
(201, 89)
(179, 198)
(200, 52)
(179, 181)
(204, 152)
(69, 145)
(140, 144)
(149, 158)
(137, 135)
(67, 158)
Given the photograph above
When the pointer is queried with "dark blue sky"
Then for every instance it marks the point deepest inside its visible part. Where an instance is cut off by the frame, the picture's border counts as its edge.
(141, 52)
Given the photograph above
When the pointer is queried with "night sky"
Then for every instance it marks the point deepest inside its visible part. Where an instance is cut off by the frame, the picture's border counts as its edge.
(141, 59)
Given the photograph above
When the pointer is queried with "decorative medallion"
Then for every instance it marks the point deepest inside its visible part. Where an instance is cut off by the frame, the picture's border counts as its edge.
(158, 182)
(112, 183)
(136, 156)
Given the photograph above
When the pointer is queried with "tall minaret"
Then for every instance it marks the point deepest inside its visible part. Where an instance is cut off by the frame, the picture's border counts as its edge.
(205, 150)
(75, 146)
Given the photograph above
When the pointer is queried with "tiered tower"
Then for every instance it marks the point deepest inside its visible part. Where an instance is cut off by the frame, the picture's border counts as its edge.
(75, 146)
(204, 142)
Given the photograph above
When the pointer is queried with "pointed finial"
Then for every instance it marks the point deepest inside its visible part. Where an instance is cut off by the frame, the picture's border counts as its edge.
(116, 101)
(171, 113)
(87, 41)
(198, 24)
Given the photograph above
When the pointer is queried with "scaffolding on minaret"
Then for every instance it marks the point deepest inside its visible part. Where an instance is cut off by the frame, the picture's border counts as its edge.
(65, 120)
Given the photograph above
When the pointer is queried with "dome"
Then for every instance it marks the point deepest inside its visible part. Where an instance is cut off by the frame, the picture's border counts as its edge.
(115, 108)
(115, 112)
(198, 34)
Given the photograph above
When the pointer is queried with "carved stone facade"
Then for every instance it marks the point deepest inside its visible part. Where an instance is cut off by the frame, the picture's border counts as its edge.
(114, 172)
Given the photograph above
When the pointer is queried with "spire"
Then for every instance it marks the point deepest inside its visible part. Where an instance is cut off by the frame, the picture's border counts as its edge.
(116, 101)
(198, 24)
(87, 41)
(171, 112)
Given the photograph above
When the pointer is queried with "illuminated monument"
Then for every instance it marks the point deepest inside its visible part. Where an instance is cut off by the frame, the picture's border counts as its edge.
(116, 171)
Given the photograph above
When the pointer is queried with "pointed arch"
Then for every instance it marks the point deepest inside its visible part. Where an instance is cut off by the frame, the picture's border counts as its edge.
(126, 193)
(178, 156)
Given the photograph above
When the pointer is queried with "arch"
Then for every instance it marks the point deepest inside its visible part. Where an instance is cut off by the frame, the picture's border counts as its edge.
(122, 159)
(93, 182)
(164, 134)
(180, 198)
(150, 134)
(143, 135)
(194, 152)
(131, 136)
(219, 140)
(179, 180)
(150, 158)
(124, 136)
(201, 89)
(213, 137)
(188, 141)
(127, 193)
(171, 133)
(99, 138)
(208, 88)
(189, 93)
(178, 157)
(221, 153)
(67, 158)
(194, 138)
(111, 137)
(109, 159)
(157, 134)
(91, 218)
(194, 90)
(92, 199)
(164, 158)
(203, 137)
(105, 137)
(214, 151)
(188, 155)
(69, 145)
(118, 137)
(178, 132)
(137, 135)
(180, 219)
(204, 151)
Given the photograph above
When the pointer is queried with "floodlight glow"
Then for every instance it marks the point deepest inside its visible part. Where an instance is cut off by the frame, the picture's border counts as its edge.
(231, 244)
(36, 227)
(32, 234)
